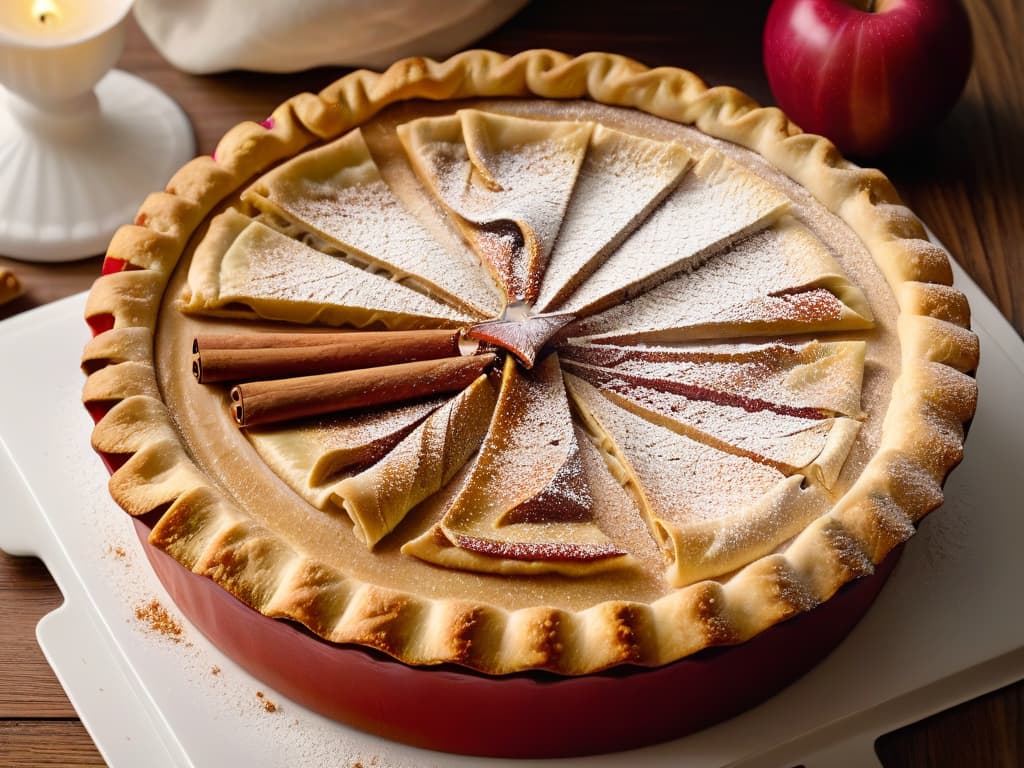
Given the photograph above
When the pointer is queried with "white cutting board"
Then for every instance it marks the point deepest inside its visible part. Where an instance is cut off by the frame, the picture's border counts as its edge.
(948, 626)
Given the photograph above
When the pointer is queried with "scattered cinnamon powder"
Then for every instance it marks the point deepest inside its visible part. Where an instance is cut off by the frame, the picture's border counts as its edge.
(156, 619)
(268, 705)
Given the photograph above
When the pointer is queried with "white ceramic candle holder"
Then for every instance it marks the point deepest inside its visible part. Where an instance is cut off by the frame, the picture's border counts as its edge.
(80, 145)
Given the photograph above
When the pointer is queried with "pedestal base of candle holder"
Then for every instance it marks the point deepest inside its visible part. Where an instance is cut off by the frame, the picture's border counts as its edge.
(69, 178)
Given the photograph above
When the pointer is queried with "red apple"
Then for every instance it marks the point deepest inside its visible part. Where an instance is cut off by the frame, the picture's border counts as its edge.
(868, 74)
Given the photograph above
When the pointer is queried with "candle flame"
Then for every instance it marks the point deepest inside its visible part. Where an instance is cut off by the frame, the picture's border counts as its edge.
(46, 11)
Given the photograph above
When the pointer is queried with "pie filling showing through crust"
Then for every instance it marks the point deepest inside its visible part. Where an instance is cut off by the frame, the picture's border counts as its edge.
(528, 363)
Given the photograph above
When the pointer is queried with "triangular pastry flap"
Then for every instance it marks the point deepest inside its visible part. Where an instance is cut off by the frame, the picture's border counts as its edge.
(623, 178)
(792, 444)
(713, 482)
(525, 507)
(506, 179)
(203, 289)
(717, 203)
(711, 511)
(245, 268)
(309, 454)
(829, 463)
(812, 380)
(378, 498)
(781, 280)
(337, 193)
(528, 469)
(616, 511)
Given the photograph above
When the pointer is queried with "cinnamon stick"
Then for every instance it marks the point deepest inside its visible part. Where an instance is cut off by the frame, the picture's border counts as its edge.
(266, 402)
(248, 356)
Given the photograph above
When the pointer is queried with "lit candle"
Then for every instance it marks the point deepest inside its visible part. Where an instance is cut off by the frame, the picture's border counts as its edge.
(71, 130)
(49, 15)
(54, 50)
(49, 21)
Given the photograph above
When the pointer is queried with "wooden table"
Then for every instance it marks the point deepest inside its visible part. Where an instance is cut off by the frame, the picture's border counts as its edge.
(966, 181)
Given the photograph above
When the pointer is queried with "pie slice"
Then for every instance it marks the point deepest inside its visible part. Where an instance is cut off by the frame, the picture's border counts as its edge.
(813, 447)
(780, 281)
(525, 507)
(623, 178)
(728, 511)
(310, 456)
(336, 192)
(716, 204)
(380, 497)
(244, 268)
(506, 181)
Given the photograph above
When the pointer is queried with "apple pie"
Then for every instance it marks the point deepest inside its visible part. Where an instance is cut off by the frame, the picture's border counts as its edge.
(658, 371)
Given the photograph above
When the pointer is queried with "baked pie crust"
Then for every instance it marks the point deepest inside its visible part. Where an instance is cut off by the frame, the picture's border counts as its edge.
(816, 492)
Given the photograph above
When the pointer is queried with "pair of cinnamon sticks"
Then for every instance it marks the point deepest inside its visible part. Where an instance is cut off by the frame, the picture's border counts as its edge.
(310, 374)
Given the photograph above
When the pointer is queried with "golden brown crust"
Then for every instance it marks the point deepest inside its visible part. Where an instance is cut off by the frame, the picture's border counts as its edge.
(921, 440)
(118, 346)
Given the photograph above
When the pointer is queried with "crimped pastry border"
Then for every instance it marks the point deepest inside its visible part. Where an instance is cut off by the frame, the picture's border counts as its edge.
(922, 438)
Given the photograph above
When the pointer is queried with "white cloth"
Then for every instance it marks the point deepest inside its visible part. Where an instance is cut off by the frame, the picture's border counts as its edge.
(203, 36)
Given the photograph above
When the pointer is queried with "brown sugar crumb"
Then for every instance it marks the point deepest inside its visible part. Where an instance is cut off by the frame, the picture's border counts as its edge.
(156, 619)
(268, 705)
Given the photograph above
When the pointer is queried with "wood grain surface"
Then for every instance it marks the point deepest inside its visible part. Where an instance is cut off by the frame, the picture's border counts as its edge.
(965, 179)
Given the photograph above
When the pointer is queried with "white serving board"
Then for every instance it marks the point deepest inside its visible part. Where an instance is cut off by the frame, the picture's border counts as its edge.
(947, 627)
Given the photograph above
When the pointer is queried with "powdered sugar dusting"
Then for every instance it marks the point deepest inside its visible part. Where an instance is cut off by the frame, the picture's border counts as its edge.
(786, 442)
(811, 380)
(622, 178)
(682, 481)
(309, 454)
(378, 498)
(616, 511)
(527, 490)
(270, 267)
(730, 290)
(716, 204)
(370, 221)
(500, 173)
(349, 203)
(530, 448)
